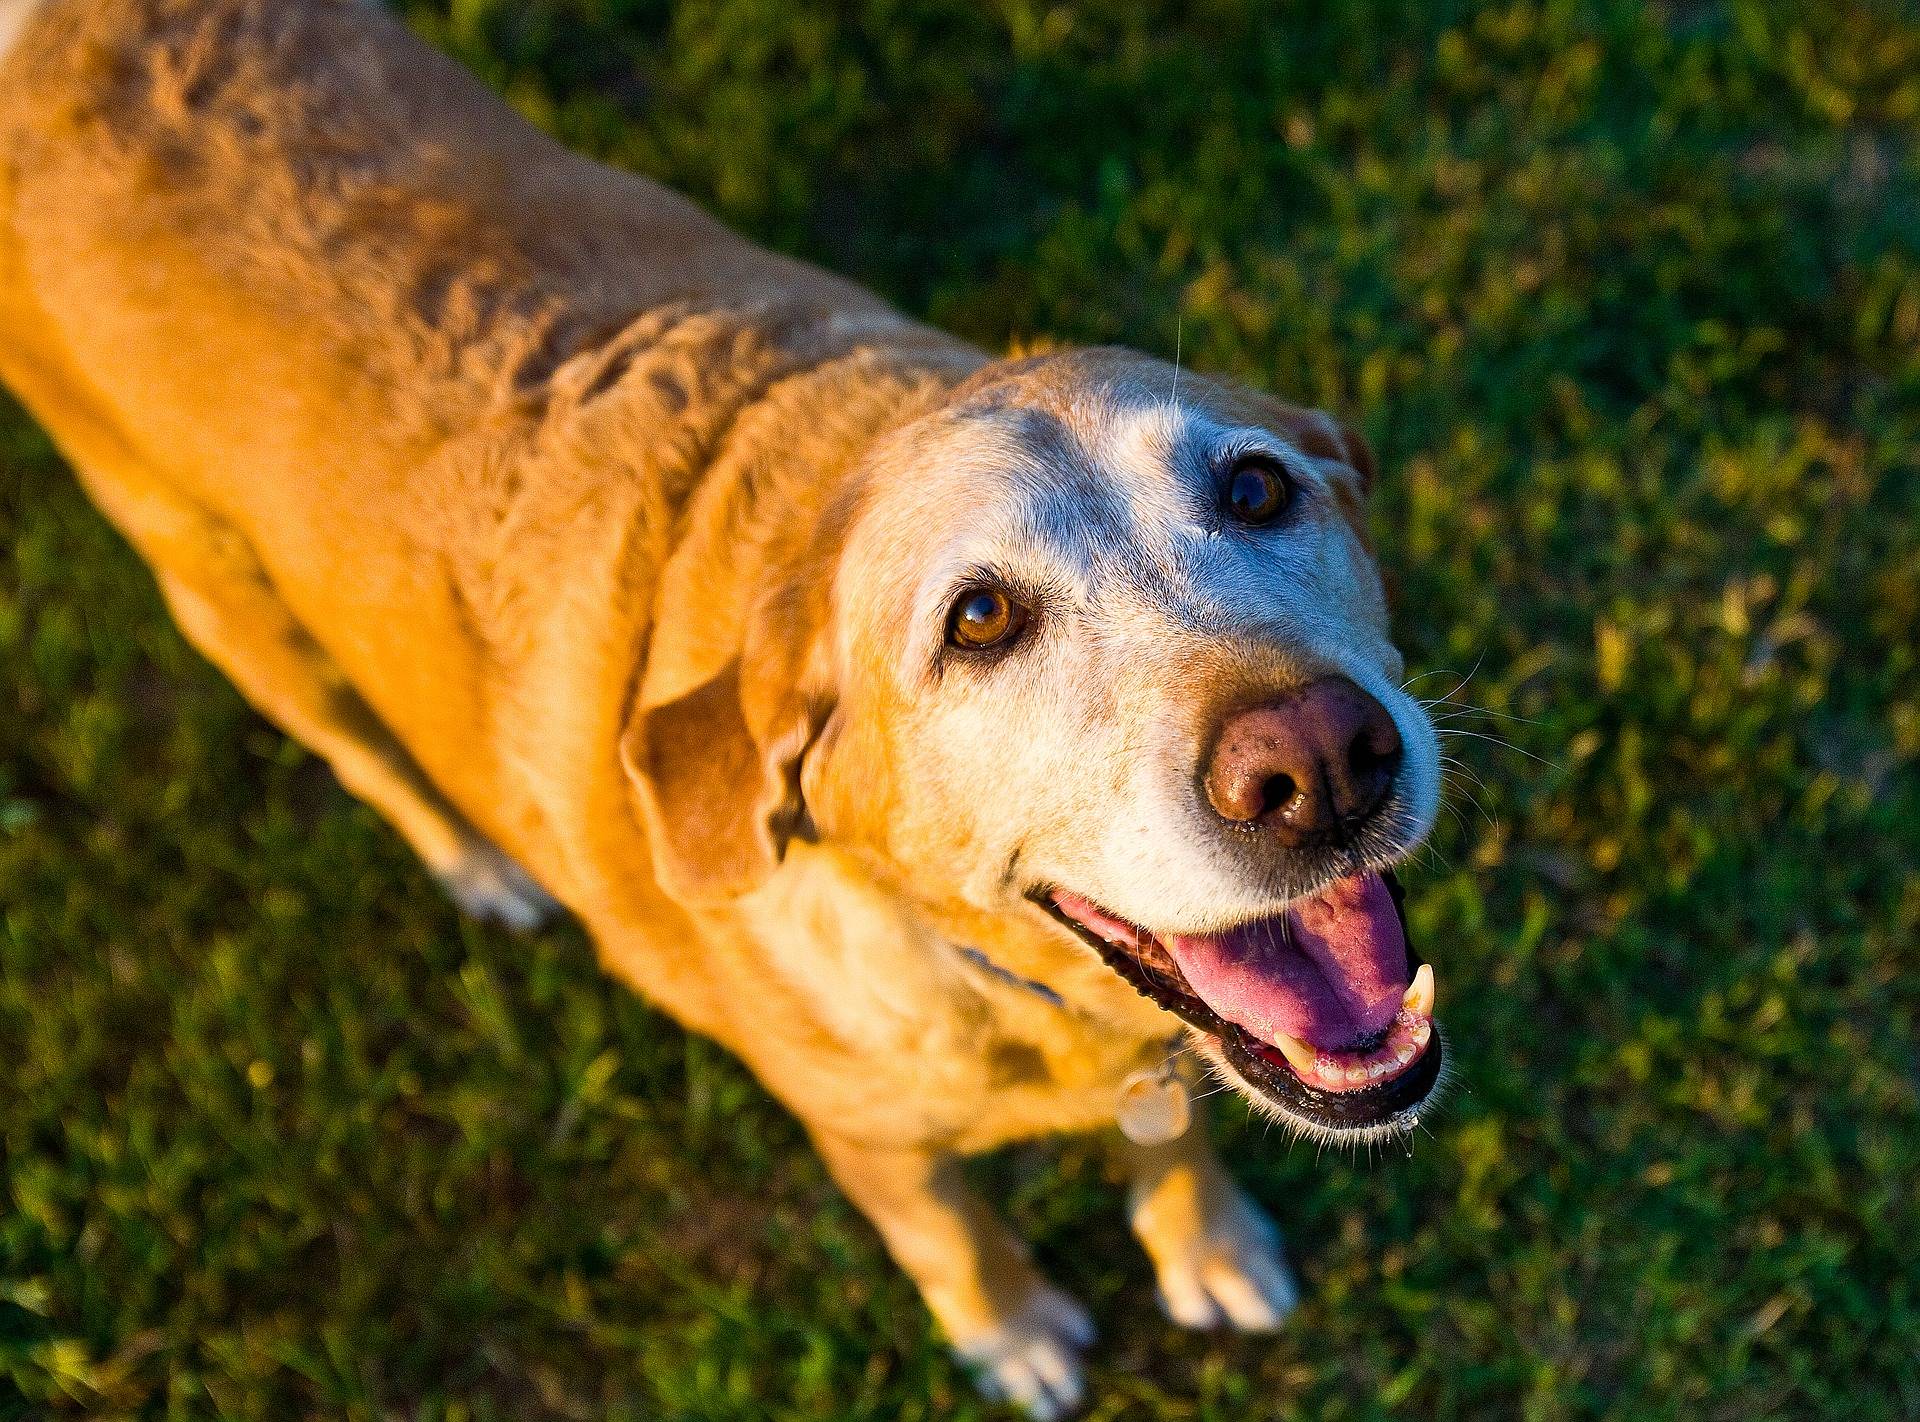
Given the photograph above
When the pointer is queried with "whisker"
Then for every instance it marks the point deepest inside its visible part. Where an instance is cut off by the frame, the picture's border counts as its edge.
(1459, 820)
(1179, 319)
(1460, 767)
(1444, 733)
(1467, 713)
(1504, 745)
(1467, 708)
(1468, 677)
(1463, 793)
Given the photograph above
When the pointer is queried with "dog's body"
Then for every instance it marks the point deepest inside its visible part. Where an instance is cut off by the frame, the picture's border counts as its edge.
(567, 526)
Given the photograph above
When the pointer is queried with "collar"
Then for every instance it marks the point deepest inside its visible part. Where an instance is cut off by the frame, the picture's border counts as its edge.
(1011, 979)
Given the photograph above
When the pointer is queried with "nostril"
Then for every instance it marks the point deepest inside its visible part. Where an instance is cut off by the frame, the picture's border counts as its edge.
(1276, 791)
(1306, 766)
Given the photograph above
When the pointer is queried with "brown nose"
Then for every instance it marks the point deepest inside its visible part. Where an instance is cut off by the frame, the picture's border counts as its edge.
(1309, 767)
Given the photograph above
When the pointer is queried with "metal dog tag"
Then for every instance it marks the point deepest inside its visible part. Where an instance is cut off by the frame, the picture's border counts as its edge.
(1154, 1107)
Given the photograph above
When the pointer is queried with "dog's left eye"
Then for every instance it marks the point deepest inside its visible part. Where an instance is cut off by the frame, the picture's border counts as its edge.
(984, 618)
(1258, 490)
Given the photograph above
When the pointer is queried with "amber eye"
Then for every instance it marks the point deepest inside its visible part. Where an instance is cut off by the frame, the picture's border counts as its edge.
(1258, 490)
(983, 618)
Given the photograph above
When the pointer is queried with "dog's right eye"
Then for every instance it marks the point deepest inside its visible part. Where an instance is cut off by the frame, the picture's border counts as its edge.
(984, 618)
(1258, 490)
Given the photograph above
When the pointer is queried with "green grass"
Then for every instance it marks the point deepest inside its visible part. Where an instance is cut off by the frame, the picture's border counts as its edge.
(1629, 299)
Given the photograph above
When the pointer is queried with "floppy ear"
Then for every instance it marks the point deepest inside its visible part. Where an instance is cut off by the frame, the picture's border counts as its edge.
(718, 785)
(1359, 454)
(1327, 438)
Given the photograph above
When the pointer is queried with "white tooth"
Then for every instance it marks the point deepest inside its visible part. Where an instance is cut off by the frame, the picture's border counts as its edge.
(1422, 1033)
(1419, 998)
(1408, 1051)
(1356, 1074)
(1376, 1070)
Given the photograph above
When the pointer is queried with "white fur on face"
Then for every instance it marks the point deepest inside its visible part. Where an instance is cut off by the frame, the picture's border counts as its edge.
(1075, 759)
(13, 19)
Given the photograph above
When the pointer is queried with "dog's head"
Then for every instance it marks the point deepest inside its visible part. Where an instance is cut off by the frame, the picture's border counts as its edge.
(1115, 664)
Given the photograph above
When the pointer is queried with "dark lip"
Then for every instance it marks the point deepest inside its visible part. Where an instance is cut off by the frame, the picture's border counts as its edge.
(1389, 1105)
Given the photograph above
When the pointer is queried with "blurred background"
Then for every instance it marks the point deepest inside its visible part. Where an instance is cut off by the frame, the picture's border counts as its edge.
(1628, 298)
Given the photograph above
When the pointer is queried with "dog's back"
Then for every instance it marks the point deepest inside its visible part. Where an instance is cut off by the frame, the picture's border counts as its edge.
(279, 215)
(310, 309)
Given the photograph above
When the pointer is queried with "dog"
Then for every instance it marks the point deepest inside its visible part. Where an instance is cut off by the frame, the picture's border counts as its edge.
(981, 748)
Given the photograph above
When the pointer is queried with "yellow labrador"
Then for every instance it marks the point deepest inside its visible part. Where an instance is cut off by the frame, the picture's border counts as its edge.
(953, 738)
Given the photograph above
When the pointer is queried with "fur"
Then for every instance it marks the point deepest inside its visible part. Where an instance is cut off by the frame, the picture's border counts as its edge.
(13, 18)
(608, 556)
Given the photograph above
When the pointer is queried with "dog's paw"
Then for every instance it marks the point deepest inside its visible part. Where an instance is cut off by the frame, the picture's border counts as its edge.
(1233, 1273)
(1033, 1358)
(489, 886)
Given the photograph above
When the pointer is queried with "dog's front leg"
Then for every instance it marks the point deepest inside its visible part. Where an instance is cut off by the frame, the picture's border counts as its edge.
(1021, 1335)
(1217, 1255)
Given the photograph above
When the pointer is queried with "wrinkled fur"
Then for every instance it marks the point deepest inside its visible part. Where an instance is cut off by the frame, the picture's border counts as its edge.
(592, 545)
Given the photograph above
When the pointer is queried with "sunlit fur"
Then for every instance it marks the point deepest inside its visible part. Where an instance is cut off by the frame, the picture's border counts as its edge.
(1073, 760)
(608, 557)
(1076, 757)
(13, 18)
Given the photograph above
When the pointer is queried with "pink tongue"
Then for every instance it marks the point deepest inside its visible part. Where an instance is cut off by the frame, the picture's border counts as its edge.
(1331, 970)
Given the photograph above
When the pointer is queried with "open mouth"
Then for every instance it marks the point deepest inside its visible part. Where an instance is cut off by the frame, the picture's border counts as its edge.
(1321, 1010)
